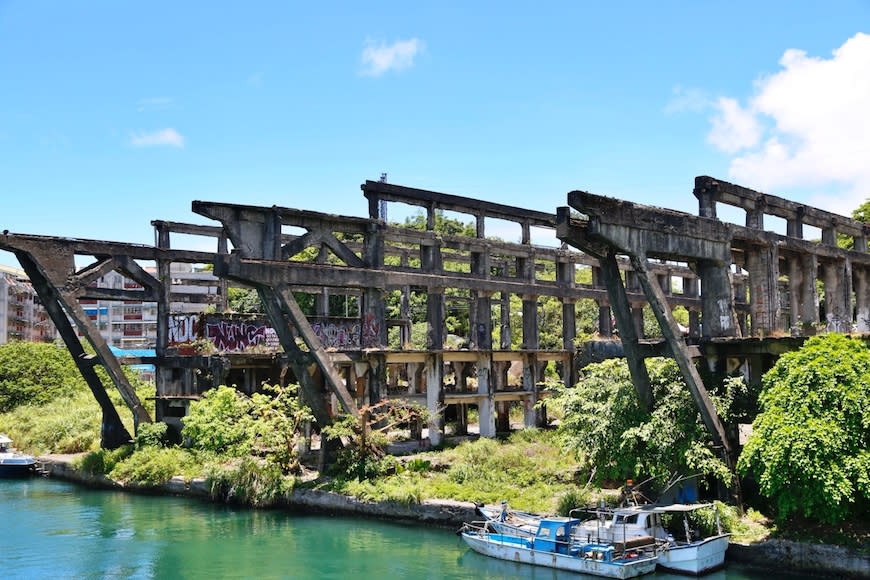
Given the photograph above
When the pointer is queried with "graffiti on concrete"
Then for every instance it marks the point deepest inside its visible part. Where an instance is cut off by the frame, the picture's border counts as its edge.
(338, 333)
(371, 330)
(183, 328)
(233, 336)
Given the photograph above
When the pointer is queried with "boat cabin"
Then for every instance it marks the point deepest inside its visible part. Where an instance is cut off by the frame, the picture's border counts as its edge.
(554, 535)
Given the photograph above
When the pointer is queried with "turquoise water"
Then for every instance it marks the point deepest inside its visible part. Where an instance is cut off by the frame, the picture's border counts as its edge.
(52, 529)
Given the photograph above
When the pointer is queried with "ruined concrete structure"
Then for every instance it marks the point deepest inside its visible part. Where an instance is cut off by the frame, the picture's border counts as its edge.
(750, 294)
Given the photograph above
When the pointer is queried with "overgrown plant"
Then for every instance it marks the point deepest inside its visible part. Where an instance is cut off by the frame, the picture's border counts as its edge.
(810, 446)
(604, 425)
(365, 438)
(266, 425)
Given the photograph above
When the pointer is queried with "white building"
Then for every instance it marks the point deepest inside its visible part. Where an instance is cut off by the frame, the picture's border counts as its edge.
(22, 316)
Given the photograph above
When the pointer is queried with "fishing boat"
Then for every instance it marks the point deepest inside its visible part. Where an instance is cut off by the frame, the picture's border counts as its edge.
(629, 526)
(553, 546)
(13, 463)
(686, 552)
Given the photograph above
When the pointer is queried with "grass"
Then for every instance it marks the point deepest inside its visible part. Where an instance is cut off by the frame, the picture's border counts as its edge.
(528, 470)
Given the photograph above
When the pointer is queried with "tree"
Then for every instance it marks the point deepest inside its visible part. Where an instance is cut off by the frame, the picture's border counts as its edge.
(608, 430)
(34, 373)
(862, 214)
(809, 446)
(244, 301)
(266, 425)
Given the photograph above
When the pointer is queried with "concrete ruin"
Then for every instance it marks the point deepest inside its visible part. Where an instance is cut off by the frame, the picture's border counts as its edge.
(750, 293)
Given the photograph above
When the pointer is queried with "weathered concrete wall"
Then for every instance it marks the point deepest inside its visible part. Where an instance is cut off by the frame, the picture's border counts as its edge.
(834, 561)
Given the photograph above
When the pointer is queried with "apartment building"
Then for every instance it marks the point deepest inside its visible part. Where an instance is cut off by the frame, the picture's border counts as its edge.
(22, 316)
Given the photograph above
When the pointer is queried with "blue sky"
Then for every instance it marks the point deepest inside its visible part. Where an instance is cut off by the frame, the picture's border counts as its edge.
(116, 113)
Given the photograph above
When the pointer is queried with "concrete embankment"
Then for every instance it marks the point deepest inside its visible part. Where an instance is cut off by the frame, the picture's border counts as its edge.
(445, 513)
(780, 555)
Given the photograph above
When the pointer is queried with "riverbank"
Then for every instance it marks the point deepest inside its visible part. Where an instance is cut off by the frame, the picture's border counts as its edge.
(797, 557)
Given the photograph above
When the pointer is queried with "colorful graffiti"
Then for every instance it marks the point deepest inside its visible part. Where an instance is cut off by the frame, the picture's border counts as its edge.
(341, 334)
(231, 336)
(236, 334)
(183, 328)
(371, 331)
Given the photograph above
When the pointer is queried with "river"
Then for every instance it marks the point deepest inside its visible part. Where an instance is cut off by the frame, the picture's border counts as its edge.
(53, 529)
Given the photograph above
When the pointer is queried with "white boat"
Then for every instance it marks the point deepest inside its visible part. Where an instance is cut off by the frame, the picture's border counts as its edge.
(552, 546)
(686, 553)
(627, 527)
(12, 463)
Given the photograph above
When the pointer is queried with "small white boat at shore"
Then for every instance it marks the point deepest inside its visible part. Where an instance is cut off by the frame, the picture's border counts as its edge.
(13, 463)
(552, 546)
(626, 527)
(684, 553)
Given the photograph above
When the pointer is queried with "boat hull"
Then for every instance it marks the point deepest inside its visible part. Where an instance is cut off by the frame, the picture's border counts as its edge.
(16, 470)
(696, 558)
(516, 549)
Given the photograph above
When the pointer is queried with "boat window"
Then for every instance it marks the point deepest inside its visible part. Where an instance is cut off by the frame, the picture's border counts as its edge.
(632, 519)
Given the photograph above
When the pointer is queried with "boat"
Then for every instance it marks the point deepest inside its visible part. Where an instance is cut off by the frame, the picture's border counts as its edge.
(624, 527)
(13, 463)
(685, 553)
(553, 546)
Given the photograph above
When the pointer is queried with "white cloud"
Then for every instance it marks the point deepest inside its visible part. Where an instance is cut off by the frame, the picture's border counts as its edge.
(687, 100)
(813, 123)
(734, 128)
(163, 137)
(378, 59)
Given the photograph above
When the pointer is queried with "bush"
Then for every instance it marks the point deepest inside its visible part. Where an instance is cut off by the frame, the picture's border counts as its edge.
(810, 446)
(249, 481)
(152, 466)
(152, 435)
(34, 373)
(605, 426)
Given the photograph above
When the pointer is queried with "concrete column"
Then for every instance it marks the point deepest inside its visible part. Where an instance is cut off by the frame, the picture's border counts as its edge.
(862, 299)
(505, 333)
(690, 290)
(413, 382)
(717, 317)
(373, 325)
(637, 320)
(531, 416)
(530, 322)
(763, 267)
(795, 227)
(605, 320)
(755, 219)
(435, 318)
(461, 419)
(809, 294)
(569, 333)
(706, 200)
(795, 284)
(435, 397)
(837, 317)
(486, 407)
(405, 316)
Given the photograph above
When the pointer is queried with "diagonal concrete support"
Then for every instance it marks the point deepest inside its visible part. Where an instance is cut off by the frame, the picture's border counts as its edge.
(113, 434)
(290, 308)
(627, 332)
(298, 359)
(673, 335)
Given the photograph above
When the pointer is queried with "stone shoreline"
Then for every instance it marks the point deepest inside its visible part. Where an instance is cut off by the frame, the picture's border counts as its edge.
(780, 555)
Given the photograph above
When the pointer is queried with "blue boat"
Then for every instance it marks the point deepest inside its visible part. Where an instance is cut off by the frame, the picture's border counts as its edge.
(552, 547)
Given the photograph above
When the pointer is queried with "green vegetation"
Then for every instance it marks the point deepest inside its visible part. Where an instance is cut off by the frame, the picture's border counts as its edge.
(810, 447)
(48, 407)
(605, 427)
(528, 470)
(34, 373)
